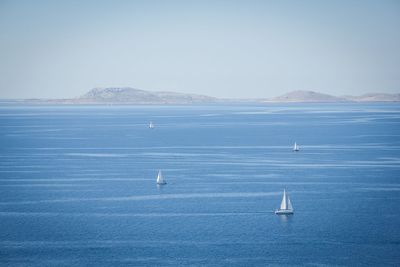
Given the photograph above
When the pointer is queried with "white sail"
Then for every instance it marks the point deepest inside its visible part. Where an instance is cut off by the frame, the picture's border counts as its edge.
(151, 125)
(160, 178)
(284, 203)
(289, 207)
(296, 147)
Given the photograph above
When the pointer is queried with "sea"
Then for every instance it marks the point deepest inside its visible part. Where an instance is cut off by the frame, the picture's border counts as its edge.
(78, 185)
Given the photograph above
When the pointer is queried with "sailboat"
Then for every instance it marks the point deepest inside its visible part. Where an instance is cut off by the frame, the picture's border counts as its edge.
(296, 147)
(160, 178)
(286, 207)
(151, 125)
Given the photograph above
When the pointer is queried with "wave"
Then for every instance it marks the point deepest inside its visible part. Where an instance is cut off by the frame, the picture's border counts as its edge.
(102, 155)
(102, 214)
(150, 197)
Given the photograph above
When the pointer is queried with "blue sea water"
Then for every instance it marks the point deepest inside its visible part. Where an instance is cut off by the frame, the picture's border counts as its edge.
(77, 185)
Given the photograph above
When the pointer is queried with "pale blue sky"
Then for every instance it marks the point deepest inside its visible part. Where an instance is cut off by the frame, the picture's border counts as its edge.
(243, 48)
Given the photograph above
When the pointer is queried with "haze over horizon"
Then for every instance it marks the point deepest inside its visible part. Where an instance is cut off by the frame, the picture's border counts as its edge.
(247, 49)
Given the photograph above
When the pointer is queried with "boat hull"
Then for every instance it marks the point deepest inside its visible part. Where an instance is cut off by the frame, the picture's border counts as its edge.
(284, 212)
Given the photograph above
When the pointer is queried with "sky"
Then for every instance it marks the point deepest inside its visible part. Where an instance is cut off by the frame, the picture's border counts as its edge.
(237, 49)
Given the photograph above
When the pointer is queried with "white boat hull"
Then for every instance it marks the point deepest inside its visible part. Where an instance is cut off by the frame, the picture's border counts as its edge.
(284, 212)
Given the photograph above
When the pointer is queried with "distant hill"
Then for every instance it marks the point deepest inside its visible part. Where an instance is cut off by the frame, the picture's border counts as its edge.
(128, 95)
(375, 98)
(305, 96)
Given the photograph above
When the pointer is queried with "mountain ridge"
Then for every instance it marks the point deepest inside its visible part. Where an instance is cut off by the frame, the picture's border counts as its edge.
(128, 95)
(377, 97)
(134, 95)
(305, 96)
